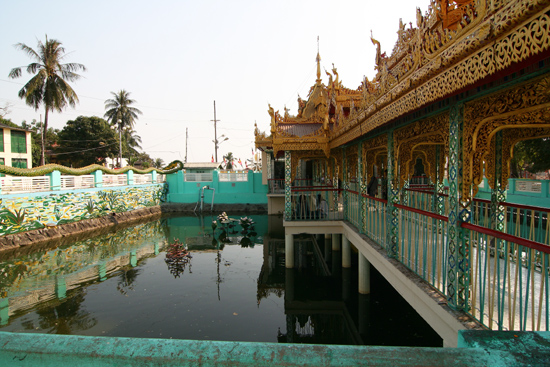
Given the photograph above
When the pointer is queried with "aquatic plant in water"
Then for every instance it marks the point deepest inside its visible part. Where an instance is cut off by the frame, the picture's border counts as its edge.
(177, 258)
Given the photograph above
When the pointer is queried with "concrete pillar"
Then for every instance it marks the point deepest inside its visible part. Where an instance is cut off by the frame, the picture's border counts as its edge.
(336, 242)
(364, 275)
(289, 251)
(102, 271)
(289, 285)
(346, 284)
(328, 252)
(346, 252)
(55, 180)
(133, 258)
(364, 313)
(154, 176)
(130, 177)
(4, 311)
(98, 178)
(60, 288)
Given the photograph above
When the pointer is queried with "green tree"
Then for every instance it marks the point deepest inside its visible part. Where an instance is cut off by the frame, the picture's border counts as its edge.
(49, 86)
(120, 113)
(531, 156)
(85, 141)
(51, 137)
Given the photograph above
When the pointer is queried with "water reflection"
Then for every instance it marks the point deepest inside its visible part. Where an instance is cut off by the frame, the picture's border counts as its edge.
(119, 284)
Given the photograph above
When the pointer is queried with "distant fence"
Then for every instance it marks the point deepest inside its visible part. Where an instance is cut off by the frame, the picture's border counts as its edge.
(17, 185)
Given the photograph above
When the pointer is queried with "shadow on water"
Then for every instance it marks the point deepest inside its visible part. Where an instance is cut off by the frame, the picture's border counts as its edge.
(233, 286)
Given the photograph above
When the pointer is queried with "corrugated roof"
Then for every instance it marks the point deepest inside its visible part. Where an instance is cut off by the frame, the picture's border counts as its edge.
(201, 165)
(299, 129)
(14, 128)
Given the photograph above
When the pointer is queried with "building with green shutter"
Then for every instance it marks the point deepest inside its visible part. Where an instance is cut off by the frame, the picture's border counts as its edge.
(15, 147)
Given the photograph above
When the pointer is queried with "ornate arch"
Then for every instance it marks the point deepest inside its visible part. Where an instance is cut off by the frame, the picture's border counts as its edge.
(421, 135)
(373, 149)
(526, 107)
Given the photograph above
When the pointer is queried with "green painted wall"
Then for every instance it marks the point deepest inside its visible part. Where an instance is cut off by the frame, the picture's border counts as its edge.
(239, 192)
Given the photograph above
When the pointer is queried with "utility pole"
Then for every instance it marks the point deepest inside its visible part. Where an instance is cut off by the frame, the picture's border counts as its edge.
(215, 134)
(186, 140)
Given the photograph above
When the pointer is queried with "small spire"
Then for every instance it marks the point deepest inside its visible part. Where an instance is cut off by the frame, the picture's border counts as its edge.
(318, 59)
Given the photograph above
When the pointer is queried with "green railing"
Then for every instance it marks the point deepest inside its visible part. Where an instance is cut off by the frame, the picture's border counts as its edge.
(508, 270)
(316, 203)
(509, 280)
(422, 244)
(373, 223)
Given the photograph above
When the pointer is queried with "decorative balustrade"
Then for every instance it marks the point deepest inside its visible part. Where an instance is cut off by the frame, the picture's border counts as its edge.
(509, 280)
(76, 182)
(199, 177)
(276, 186)
(508, 270)
(143, 179)
(17, 184)
(316, 203)
(115, 180)
(233, 176)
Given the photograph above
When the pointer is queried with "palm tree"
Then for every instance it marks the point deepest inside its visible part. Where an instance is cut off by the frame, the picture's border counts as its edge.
(158, 163)
(229, 158)
(131, 141)
(120, 113)
(49, 85)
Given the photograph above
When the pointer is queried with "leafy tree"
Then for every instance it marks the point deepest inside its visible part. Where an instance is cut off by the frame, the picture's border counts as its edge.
(85, 141)
(49, 86)
(8, 122)
(531, 155)
(51, 138)
(120, 113)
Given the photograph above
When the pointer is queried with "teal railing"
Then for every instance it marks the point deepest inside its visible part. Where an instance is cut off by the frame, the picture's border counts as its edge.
(508, 270)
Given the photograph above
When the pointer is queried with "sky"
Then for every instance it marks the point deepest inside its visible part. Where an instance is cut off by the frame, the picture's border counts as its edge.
(177, 57)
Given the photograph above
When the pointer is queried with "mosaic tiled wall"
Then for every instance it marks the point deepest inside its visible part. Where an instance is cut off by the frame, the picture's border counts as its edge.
(26, 212)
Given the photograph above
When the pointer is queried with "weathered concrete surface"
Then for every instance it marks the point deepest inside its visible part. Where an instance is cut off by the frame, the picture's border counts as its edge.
(533, 346)
(18, 349)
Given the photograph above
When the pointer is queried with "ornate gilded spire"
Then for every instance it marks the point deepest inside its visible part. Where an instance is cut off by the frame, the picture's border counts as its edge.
(318, 59)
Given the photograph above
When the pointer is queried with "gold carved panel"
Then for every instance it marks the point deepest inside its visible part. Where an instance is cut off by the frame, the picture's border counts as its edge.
(522, 106)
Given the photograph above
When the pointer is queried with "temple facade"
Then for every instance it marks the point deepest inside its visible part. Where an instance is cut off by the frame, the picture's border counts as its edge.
(401, 157)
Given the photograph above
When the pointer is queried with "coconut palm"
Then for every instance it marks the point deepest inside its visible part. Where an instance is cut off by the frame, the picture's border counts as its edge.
(158, 163)
(49, 86)
(131, 141)
(120, 113)
(229, 158)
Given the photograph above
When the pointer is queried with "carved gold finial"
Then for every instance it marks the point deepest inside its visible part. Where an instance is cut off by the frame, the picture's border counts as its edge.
(378, 59)
(271, 112)
(318, 68)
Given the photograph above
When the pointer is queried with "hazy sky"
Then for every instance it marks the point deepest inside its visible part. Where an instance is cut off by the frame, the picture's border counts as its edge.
(177, 57)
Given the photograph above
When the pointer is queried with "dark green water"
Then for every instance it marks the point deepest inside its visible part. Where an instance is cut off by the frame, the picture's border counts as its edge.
(234, 289)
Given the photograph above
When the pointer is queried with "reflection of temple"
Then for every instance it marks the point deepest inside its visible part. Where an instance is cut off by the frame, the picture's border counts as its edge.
(321, 304)
(316, 311)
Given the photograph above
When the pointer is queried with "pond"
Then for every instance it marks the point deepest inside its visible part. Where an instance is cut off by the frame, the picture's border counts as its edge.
(233, 286)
